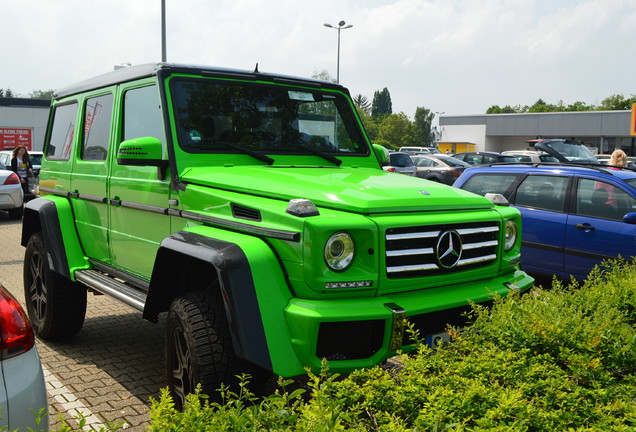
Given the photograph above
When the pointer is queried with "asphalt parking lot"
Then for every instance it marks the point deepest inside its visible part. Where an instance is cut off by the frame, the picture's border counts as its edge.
(110, 369)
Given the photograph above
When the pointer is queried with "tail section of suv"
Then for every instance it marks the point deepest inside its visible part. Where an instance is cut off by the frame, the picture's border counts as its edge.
(252, 209)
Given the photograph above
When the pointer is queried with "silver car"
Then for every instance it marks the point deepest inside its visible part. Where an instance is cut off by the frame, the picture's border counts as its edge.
(11, 194)
(22, 387)
(400, 162)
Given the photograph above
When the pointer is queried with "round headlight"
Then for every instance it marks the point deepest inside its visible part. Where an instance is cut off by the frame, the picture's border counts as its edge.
(511, 234)
(339, 251)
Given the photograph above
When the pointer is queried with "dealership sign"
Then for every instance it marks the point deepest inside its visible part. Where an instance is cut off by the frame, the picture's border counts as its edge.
(11, 138)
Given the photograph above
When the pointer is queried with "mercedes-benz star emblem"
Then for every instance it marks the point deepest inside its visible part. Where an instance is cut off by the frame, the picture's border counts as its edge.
(449, 249)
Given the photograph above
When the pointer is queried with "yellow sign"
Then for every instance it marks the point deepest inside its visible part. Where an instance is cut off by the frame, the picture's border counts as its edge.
(632, 128)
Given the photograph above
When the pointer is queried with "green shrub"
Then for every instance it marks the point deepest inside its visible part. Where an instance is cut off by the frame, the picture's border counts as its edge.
(562, 359)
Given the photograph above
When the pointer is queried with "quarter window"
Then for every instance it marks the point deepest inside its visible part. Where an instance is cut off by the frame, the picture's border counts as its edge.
(61, 139)
(491, 183)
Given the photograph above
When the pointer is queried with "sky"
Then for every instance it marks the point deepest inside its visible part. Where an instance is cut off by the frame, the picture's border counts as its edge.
(456, 57)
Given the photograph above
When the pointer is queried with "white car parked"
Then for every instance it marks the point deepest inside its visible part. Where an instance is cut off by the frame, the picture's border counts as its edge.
(11, 195)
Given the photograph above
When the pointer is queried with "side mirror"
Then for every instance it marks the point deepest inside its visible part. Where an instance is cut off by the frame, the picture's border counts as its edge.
(146, 151)
(630, 218)
(381, 153)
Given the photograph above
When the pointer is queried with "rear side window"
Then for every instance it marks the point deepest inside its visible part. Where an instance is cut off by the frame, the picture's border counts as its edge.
(401, 160)
(61, 139)
(491, 183)
(97, 119)
(542, 192)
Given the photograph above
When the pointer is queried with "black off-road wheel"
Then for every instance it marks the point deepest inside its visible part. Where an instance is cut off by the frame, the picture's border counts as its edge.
(198, 346)
(56, 305)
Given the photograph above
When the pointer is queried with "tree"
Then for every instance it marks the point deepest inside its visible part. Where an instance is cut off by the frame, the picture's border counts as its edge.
(422, 125)
(381, 105)
(41, 94)
(361, 102)
(6, 93)
(323, 75)
(617, 102)
(397, 130)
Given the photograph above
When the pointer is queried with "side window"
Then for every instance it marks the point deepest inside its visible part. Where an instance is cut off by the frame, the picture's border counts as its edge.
(425, 162)
(142, 114)
(543, 192)
(61, 138)
(602, 200)
(474, 159)
(97, 120)
(491, 183)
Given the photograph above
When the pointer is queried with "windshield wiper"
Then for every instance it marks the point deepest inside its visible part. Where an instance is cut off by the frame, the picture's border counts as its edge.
(320, 153)
(260, 156)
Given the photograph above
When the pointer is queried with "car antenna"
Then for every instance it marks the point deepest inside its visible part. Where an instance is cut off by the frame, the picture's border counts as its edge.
(256, 68)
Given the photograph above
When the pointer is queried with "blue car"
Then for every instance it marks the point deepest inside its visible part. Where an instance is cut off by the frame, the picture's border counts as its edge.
(574, 216)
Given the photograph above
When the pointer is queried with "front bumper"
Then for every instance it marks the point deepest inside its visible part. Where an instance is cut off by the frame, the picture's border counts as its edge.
(363, 332)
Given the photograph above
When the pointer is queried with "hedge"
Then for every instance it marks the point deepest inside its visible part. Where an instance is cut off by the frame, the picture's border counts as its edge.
(557, 359)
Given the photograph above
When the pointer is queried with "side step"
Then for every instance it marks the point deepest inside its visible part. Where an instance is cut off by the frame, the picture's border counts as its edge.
(112, 287)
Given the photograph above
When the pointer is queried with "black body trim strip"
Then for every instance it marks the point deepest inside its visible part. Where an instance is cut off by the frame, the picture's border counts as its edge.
(210, 220)
(55, 191)
(574, 252)
(243, 227)
(92, 198)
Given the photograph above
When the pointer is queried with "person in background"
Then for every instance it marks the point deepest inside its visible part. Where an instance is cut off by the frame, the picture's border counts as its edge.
(21, 165)
(618, 158)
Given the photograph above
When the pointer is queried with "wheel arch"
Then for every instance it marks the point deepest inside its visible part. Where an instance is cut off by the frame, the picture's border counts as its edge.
(64, 250)
(208, 259)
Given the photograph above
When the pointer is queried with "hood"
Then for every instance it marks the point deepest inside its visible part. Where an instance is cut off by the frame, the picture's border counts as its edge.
(359, 190)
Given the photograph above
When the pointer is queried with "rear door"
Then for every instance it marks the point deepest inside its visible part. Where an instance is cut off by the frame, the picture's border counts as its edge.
(541, 199)
(90, 170)
(595, 229)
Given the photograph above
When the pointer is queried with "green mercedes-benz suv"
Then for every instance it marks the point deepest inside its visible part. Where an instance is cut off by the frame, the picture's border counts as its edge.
(252, 209)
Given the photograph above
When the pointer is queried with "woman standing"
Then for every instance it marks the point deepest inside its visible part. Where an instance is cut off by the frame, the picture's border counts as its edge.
(21, 165)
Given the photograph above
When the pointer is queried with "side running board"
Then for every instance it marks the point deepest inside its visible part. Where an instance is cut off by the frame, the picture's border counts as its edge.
(112, 287)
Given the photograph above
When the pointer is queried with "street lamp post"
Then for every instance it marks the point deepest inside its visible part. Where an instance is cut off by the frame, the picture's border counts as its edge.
(163, 31)
(341, 26)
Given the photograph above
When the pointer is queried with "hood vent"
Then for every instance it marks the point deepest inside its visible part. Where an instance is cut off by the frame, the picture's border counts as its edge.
(242, 212)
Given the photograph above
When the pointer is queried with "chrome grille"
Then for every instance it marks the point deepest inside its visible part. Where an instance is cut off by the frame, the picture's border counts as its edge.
(412, 251)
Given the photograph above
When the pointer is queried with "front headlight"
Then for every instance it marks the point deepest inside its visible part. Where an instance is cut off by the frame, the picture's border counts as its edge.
(339, 251)
(511, 234)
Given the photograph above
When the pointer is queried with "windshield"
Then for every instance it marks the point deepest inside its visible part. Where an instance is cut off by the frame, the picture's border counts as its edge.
(220, 116)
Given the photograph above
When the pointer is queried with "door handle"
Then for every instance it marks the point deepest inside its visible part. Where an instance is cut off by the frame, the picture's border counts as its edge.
(584, 226)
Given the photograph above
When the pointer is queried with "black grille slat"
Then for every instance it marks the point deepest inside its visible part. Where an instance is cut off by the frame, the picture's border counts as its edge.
(410, 251)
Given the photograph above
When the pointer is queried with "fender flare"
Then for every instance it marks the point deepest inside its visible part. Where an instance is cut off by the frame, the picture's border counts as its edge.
(235, 281)
(64, 250)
